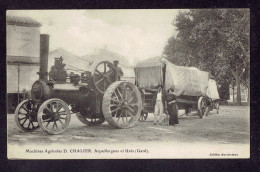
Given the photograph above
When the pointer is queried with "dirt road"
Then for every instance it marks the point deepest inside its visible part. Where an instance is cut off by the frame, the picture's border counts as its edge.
(230, 126)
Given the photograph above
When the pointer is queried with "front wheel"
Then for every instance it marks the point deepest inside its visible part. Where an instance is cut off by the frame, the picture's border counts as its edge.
(25, 116)
(54, 116)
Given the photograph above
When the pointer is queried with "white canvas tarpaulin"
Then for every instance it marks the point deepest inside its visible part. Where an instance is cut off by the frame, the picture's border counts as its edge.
(148, 77)
(148, 73)
(188, 81)
(212, 91)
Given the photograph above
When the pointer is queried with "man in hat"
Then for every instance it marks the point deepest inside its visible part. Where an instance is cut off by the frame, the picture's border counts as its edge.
(118, 71)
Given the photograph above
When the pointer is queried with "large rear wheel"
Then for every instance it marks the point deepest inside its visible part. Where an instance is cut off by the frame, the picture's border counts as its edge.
(122, 104)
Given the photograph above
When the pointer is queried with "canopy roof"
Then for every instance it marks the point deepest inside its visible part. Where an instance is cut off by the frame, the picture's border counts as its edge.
(22, 21)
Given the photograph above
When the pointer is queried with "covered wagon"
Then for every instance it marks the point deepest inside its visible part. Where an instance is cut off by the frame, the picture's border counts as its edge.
(193, 87)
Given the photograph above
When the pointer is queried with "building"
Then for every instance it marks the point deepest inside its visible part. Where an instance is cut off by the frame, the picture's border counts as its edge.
(23, 51)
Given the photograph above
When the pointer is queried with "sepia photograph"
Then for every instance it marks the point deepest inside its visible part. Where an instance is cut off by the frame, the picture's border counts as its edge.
(128, 84)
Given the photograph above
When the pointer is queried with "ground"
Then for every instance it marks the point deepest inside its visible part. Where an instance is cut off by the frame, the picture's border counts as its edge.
(230, 126)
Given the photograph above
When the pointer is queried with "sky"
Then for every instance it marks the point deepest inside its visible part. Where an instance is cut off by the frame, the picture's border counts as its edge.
(135, 34)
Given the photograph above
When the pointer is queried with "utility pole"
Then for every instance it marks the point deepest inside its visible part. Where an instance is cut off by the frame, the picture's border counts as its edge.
(18, 70)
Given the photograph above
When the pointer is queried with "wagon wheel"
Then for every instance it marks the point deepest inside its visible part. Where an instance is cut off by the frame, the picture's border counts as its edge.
(54, 116)
(25, 115)
(122, 104)
(103, 76)
(203, 108)
(143, 116)
(90, 121)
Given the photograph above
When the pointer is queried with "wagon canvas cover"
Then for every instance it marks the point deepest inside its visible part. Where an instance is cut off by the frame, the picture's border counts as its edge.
(188, 81)
(148, 73)
(212, 90)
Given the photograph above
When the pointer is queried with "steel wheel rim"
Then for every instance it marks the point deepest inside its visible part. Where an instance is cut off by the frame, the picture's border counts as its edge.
(124, 109)
(54, 116)
(122, 104)
(25, 115)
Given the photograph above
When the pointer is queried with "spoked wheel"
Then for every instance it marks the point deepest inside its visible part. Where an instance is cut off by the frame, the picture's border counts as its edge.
(103, 76)
(54, 116)
(203, 109)
(122, 104)
(25, 116)
(143, 116)
(90, 121)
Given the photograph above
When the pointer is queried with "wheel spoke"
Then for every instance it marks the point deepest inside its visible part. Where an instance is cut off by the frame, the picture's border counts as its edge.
(48, 109)
(22, 113)
(24, 121)
(132, 110)
(126, 114)
(61, 122)
(116, 101)
(116, 96)
(118, 118)
(22, 118)
(122, 117)
(112, 105)
(25, 109)
(46, 120)
(120, 93)
(105, 85)
(55, 124)
(99, 72)
(99, 81)
(109, 73)
(48, 124)
(59, 107)
(116, 109)
(132, 104)
(105, 68)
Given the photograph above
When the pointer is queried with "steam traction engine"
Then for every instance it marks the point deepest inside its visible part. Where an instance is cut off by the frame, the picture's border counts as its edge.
(94, 96)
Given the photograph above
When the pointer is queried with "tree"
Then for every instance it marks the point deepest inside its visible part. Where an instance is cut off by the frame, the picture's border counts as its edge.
(215, 40)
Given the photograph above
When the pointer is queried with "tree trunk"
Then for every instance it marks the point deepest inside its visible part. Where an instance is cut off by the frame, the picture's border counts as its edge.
(233, 88)
(238, 88)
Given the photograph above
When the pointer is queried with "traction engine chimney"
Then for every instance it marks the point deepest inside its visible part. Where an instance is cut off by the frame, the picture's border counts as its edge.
(44, 52)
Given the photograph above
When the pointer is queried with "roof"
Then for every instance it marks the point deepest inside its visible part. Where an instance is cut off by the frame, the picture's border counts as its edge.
(22, 21)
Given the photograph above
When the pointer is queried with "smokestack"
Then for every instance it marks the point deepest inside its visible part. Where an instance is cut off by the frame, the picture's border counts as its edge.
(44, 52)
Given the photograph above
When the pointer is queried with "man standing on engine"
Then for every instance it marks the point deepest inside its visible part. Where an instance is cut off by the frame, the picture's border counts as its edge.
(118, 71)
